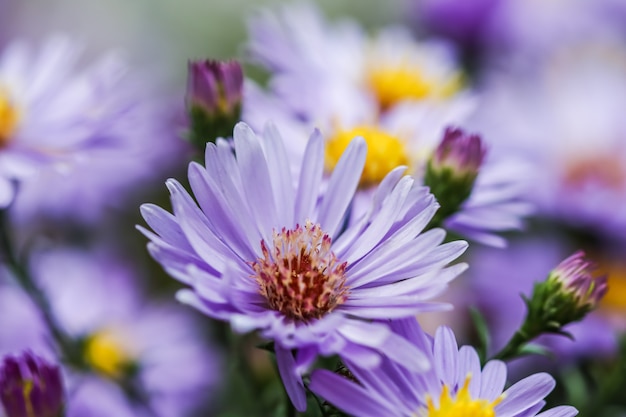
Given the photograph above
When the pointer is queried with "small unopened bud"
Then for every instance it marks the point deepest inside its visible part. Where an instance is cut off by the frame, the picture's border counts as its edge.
(214, 94)
(576, 276)
(452, 170)
(571, 291)
(29, 386)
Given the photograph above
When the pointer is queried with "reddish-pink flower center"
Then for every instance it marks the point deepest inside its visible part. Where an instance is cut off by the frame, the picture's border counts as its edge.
(299, 275)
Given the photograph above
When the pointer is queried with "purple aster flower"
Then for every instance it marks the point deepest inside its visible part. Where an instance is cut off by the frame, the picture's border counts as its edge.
(576, 180)
(455, 385)
(270, 252)
(150, 344)
(30, 386)
(85, 133)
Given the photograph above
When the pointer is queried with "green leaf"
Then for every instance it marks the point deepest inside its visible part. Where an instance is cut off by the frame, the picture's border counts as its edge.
(482, 331)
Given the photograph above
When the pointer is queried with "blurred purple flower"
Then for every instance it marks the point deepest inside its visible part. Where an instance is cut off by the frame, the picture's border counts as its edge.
(154, 343)
(266, 251)
(70, 138)
(354, 69)
(573, 136)
(30, 386)
(455, 385)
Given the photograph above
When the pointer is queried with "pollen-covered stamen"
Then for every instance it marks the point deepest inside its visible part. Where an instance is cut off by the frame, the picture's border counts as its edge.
(299, 275)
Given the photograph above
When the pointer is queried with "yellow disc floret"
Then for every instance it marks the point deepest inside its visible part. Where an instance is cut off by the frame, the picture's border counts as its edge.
(9, 117)
(461, 404)
(393, 84)
(105, 353)
(384, 152)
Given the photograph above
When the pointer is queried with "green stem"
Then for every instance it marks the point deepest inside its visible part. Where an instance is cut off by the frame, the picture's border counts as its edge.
(529, 331)
(512, 348)
(22, 275)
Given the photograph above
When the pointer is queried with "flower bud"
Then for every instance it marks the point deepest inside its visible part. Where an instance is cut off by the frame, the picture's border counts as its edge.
(214, 93)
(568, 294)
(452, 170)
(575, 274)
(29, 386)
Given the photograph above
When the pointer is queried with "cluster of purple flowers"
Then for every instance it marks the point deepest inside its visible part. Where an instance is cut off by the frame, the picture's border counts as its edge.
(320, 222)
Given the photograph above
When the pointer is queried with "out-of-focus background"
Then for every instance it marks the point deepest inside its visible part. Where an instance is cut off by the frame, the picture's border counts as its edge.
(166, 33)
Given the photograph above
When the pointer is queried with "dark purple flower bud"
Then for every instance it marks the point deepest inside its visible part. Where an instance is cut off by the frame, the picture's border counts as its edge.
(452, 170)
(460, 152)
(214, 94)
(30, 387)
(216, 86)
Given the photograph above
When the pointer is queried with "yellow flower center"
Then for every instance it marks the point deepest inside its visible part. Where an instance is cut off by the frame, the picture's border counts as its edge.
(392, 85)
(9, 117)
(384, 152)
(106, 354)
(461, 404)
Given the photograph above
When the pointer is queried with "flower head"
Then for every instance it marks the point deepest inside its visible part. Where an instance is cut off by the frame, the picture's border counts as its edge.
(30, 386)
(268, 252)
(454, 386)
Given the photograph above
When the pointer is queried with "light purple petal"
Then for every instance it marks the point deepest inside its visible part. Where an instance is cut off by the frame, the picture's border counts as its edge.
(524, 394)
(292, 381)
(341, 186)
(347, 396)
